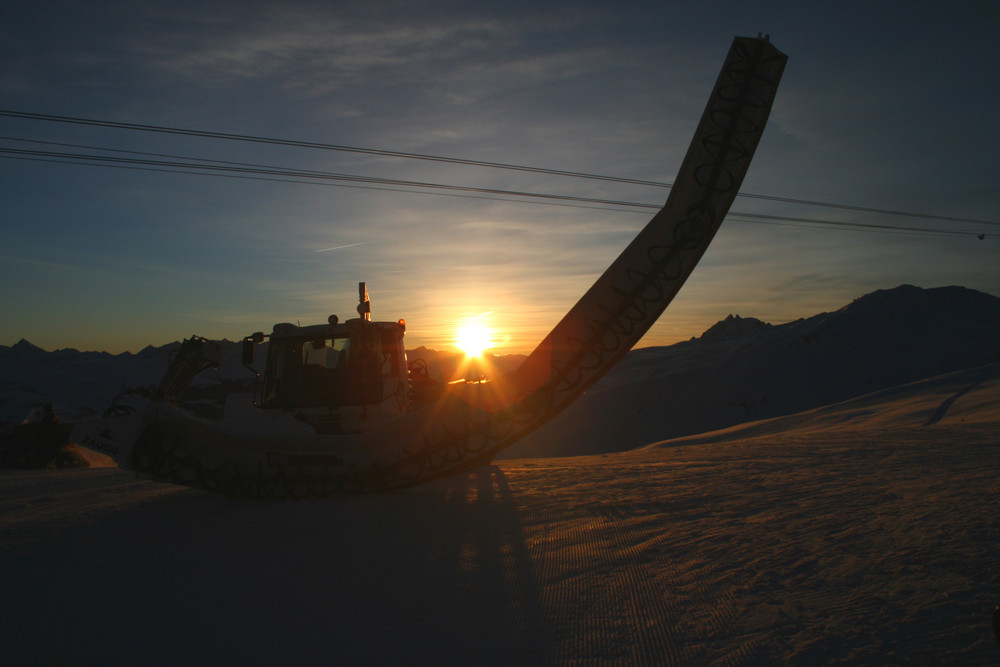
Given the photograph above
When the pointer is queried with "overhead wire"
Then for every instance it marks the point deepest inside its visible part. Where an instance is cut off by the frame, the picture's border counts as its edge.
(206, 134)
(206, 166)
(611, 205)
(304, 173)
(142, 127)
(854, 226)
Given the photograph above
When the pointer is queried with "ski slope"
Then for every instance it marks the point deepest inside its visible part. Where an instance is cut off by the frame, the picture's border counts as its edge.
(857, 534)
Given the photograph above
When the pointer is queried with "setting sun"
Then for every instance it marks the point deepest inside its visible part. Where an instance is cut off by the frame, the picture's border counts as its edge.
(473, 339)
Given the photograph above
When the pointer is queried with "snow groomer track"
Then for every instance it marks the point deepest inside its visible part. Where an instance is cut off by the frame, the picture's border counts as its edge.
(471, 424)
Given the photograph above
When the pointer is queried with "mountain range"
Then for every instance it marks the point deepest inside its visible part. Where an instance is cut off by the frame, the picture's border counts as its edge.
(739, 370)
(742, 370)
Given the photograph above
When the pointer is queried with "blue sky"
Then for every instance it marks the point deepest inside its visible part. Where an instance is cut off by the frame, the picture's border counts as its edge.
(889, 106)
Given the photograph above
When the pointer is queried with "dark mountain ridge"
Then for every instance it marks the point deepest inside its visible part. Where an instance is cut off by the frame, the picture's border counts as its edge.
(740, 369)
(881, 340)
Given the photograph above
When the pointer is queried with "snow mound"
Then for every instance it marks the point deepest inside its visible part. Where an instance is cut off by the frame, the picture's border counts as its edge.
(970, 397)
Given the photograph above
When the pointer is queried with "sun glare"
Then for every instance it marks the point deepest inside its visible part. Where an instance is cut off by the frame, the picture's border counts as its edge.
(473, 339)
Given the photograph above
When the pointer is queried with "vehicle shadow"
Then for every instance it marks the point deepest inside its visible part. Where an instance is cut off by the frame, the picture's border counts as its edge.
(437, 574)
(484, 563)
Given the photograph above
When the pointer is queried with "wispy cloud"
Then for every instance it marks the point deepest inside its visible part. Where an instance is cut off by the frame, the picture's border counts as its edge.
(339, 247)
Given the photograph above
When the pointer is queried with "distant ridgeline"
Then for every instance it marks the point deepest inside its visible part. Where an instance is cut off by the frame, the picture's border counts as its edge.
(734, 325)
(739, 369)
(81, 385)
(742, 369)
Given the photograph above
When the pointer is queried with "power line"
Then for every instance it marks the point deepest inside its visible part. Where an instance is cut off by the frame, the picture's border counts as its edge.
(854, 226)
(450, 160)
(301, 181)
(319, 146)
(206, 167)
(303, 173)
(290, 175)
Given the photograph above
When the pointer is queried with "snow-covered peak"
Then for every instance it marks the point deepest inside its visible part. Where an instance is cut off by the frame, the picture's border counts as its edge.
(734, 325)
(935, 303)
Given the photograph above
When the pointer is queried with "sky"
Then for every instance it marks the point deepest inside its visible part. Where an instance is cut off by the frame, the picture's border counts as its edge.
(889, 106)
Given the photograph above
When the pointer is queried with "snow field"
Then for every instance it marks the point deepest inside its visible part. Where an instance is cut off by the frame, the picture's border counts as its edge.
(862, 531)
(856, 547)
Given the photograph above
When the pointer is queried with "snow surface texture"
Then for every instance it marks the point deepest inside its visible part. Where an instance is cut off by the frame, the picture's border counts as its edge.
(863, 533)
(858, 532)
